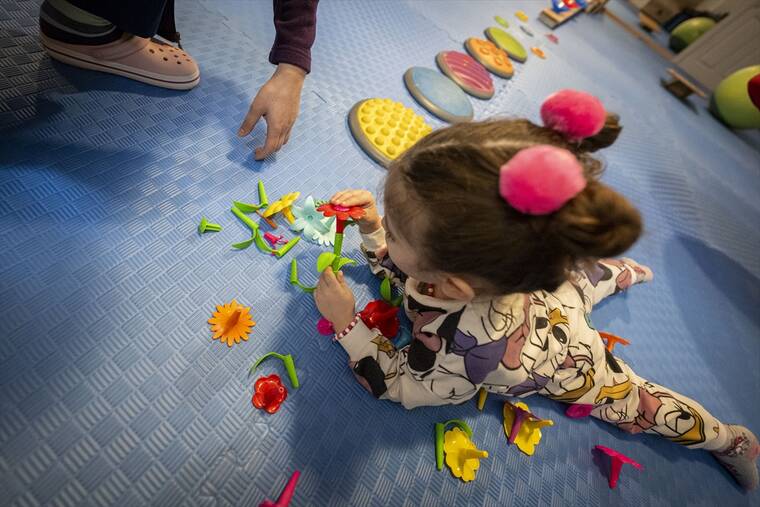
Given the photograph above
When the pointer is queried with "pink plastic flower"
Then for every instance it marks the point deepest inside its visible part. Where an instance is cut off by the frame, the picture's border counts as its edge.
(617, 460)
(325, 327)
(579, 411)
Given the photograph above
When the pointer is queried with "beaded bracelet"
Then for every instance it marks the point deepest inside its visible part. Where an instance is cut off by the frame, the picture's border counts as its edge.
(348, 329)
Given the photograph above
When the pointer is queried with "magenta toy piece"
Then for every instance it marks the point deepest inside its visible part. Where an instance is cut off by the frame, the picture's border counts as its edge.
(520, 416)
(617, 460)
(579, 411)
(274, 240)
(325, 327)
(286, 495)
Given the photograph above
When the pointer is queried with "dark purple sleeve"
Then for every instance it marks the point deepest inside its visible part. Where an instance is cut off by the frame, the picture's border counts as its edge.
(296, 24)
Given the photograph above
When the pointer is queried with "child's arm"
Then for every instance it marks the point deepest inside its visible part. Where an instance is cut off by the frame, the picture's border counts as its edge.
(610, 276)
(373, 234)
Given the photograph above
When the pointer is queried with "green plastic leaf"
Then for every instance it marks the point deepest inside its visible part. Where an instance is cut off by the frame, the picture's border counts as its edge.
(385, 289)
(244, 244)
(397, 301)
(459, 423)
(263, 246)
(246, 220)
(325, 259)
(342, 261)
(247, 208)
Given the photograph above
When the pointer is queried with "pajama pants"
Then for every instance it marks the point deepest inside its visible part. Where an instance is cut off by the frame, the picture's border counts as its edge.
(591, 375)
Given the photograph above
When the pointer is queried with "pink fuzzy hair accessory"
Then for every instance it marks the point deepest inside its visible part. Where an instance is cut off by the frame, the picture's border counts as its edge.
(575, 114)
(539, 180)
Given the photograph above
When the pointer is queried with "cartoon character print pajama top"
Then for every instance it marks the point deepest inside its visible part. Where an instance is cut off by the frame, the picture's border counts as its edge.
(520, 344)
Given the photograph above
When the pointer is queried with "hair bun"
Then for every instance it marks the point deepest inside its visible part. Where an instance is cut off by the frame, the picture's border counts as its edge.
(575, 114)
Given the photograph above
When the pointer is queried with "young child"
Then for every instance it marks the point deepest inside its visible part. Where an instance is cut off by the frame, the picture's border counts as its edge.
(494, 230)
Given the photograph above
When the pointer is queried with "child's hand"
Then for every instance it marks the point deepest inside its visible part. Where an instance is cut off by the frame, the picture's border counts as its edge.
(371, 220)
(335, 300)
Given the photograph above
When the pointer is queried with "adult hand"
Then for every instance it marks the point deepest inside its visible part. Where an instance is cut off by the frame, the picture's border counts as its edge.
(278, 101)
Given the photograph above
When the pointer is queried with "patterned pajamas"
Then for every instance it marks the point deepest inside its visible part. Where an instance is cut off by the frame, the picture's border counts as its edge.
(520, 344)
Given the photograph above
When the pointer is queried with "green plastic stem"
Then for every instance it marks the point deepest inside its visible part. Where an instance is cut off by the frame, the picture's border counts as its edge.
(263, 199)
(245, 219)
(294, 278)
(287, 360)
(338, 247)
(261, 244)
(287, 247)
(440, 429)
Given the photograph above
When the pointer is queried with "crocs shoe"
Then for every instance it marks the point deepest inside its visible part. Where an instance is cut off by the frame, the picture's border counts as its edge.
(138, 58)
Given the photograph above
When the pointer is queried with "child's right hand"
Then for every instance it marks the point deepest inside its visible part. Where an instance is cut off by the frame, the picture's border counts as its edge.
(370, 222)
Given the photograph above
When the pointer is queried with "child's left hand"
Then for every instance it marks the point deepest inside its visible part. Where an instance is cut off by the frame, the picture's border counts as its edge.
(335, 300)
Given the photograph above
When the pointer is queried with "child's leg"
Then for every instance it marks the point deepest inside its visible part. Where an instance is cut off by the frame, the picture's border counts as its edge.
(636, 405)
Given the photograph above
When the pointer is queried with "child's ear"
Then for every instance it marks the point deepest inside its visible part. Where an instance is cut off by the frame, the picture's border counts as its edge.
(458, 288)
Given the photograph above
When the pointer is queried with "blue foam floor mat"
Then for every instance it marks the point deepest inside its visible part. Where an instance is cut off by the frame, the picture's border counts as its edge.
(111, 390)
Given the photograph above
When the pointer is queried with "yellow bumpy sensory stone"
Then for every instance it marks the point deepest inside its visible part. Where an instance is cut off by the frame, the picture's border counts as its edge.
(385, 128)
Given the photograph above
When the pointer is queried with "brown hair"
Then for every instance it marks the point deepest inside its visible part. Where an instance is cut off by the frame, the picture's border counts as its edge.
(444, 190)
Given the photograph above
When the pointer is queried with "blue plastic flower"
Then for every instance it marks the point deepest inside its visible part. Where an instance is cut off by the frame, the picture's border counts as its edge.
(314, 226)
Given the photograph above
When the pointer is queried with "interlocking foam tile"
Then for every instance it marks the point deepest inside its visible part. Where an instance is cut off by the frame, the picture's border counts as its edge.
(111, 389)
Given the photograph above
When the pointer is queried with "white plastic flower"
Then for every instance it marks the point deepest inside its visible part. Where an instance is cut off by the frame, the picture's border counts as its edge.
(314, 226)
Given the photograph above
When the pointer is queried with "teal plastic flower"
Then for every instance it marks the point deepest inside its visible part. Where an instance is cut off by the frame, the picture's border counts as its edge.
(314, 226)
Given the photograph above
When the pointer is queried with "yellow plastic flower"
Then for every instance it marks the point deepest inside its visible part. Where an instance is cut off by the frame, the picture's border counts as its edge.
(462, 457)
(529, 432)
(231, 323)
(283, 204)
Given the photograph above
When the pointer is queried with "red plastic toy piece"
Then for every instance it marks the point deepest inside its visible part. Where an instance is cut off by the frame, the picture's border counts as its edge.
(269, 393)
(612, 340)
(381, 315)
(617, 460)
(287, 494)
(343, 213)
(325, 327)
(579, 411)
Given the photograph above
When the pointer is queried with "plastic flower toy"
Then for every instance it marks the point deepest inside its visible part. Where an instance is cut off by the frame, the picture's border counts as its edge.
(333, 259)
(341, 212)
(325, 327)
(617, 460)
(462, 457)
(381, 316)
(522, 427)
(231, 323)
(282, 205)
(312, 224)
(269, 393)
(579, 411)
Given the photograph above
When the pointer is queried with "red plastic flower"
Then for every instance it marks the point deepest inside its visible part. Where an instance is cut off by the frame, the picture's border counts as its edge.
(342, 212)
(269, 393)
(382, 316)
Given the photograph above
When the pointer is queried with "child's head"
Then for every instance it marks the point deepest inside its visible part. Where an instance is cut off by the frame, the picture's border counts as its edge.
(449, 225)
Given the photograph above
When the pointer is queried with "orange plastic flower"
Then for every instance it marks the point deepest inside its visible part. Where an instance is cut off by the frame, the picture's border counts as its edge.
(342, 212)
(231, 322)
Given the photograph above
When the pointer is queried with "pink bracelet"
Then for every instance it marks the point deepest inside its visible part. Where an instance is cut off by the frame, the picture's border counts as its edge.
(348, 329)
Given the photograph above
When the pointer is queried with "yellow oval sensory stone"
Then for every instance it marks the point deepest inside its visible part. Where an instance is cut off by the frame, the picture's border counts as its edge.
(385, 129)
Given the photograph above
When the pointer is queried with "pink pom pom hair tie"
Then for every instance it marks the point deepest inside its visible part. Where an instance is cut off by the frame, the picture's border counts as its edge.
(539, 180)
(575, 114)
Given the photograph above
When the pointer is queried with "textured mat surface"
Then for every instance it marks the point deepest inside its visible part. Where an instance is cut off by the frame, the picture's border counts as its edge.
(111, 390)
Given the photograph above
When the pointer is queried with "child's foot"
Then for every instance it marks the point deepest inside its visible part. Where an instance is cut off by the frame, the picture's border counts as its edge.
(740, 455)
(78, 38)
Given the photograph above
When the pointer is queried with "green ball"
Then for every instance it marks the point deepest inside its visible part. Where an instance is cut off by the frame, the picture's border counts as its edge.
(689, 31)
(731, 102)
